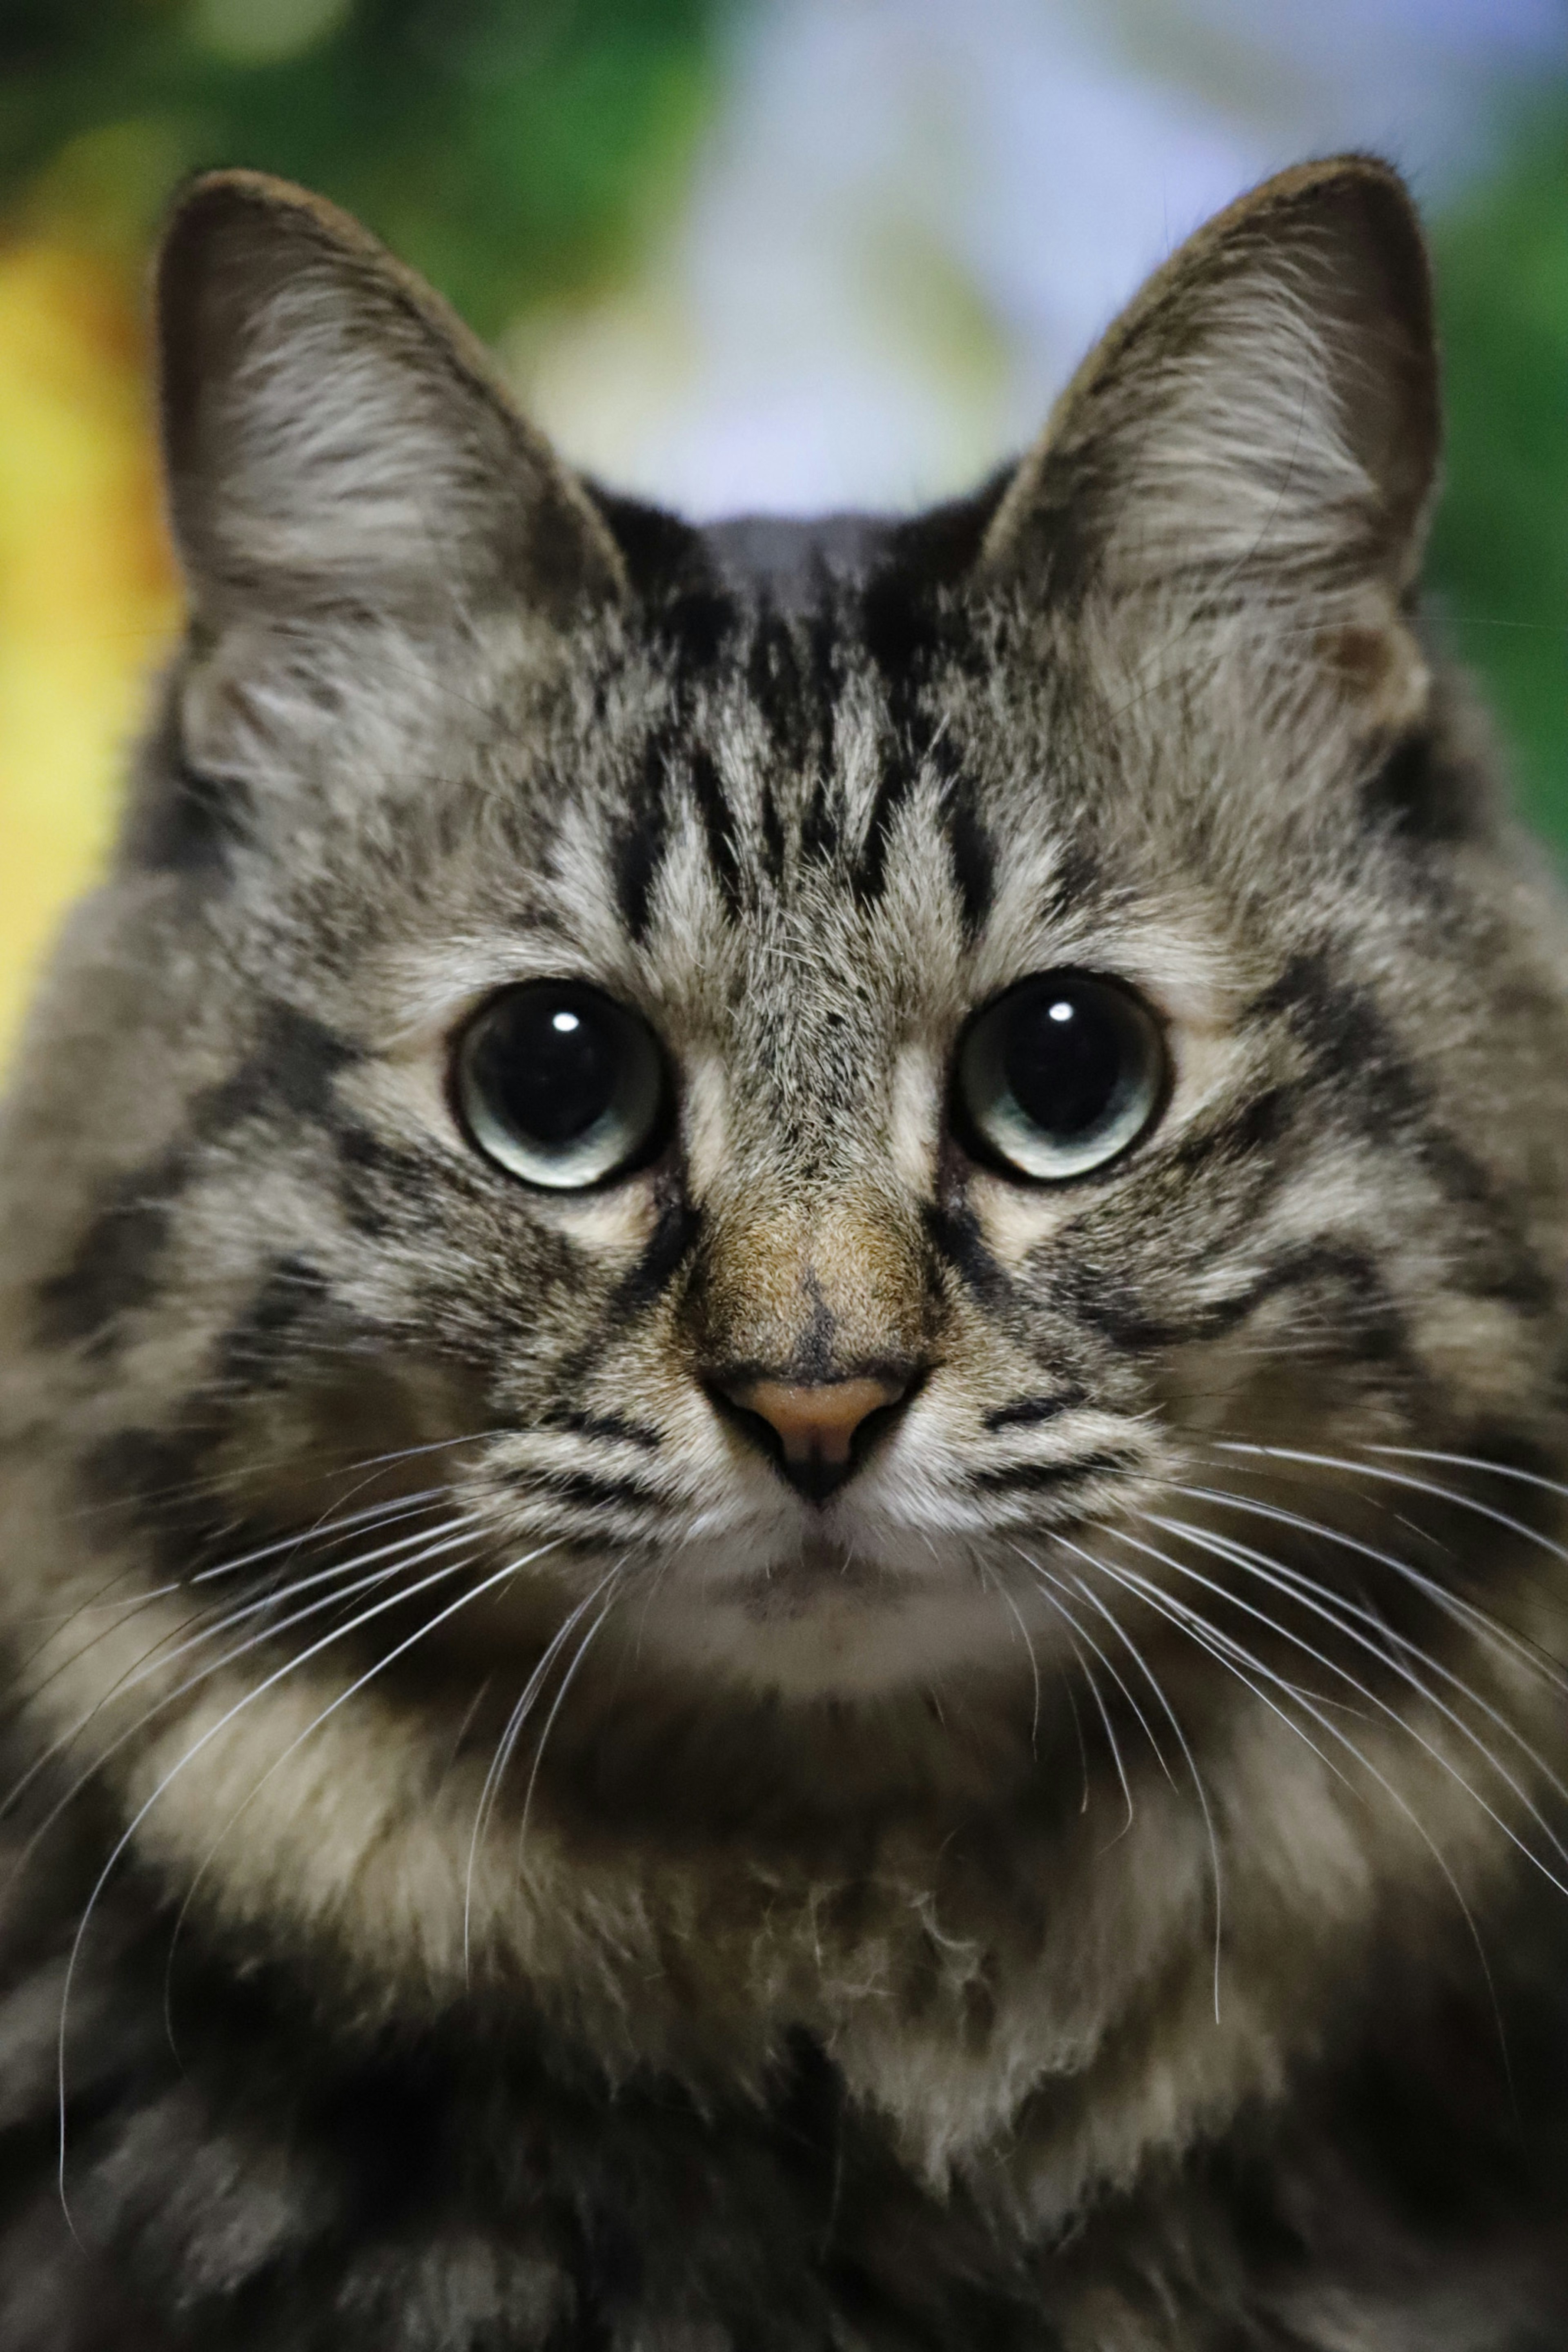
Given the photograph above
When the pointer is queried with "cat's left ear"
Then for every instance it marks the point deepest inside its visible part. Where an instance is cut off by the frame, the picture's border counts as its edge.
(1256, 438)
(336, 439)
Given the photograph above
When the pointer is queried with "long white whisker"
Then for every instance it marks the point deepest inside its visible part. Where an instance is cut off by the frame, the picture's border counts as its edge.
(1324, 1601)
(475, 1592)
(1217, 1643)
(1199, 1790)
(1401, 1478)
(1057, 1587)
(327, 1529)
(135, 1602)
(1034, 1661)
(1481, 1623)
(291, 1666)
(1088, 1674)
(1330, 1665)
(1054, 1601)
(1474, 1462)
(159, 1658)
(1338, 1614)
(566, 1684)
(507, 1743)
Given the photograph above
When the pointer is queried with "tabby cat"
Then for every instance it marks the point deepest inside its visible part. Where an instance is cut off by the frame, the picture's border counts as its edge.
(783, 1354)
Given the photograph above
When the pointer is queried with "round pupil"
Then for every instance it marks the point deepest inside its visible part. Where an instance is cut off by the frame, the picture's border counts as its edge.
(1064, 1060)
(551, 1068)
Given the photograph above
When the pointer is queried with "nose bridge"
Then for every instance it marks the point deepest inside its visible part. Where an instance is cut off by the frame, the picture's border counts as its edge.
(828, 1287)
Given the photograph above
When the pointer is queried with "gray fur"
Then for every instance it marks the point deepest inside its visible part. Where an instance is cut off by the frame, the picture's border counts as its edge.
(1081, 1885)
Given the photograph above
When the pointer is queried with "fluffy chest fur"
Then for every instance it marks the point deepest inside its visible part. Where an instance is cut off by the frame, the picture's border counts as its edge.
(781, 1352)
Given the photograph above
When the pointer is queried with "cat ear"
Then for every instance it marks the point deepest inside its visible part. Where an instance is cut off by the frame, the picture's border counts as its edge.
(1258, 430)
(334, 436)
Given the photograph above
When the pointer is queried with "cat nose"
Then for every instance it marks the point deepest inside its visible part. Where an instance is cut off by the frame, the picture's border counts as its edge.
(815, 1422)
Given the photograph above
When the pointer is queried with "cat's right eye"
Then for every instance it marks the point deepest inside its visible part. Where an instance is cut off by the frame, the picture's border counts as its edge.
(560, 1086)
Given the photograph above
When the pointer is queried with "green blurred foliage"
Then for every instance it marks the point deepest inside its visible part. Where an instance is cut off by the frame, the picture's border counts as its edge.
(508, 148)
(1499, 551)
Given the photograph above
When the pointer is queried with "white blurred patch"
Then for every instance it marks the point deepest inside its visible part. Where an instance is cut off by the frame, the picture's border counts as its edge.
(912, 217)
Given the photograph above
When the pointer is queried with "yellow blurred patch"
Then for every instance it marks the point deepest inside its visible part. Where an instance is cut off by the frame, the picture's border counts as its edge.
(88, 597)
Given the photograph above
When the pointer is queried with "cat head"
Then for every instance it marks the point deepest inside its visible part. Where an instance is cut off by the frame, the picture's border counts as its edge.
(812, 1081)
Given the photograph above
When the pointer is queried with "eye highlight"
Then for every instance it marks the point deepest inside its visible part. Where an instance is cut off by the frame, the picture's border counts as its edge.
(1060, 1075)
(560, 1086)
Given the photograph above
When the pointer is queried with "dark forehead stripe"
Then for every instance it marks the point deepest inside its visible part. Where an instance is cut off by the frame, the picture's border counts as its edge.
(718, 826)
(794, 671)
(643, 836)
(794, 584)
(973, 858)
(784, 610)
(893, 787)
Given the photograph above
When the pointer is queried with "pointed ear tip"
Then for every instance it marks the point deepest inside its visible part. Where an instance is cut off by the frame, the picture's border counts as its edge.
(1364, 192)
(256, 204)
(213, 195)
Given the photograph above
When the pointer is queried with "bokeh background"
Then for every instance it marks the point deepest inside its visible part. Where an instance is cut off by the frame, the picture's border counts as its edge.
(764, 254)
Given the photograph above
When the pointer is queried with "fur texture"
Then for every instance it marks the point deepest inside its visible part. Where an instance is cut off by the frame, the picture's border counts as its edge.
(495, 1865)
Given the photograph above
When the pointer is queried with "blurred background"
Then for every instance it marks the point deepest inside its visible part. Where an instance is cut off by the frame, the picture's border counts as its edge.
(768, 253)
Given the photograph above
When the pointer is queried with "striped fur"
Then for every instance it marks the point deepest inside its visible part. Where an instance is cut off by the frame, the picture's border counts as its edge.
(602, 1897)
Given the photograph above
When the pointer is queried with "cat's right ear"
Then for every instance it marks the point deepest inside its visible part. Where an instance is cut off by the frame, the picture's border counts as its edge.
(335, 439)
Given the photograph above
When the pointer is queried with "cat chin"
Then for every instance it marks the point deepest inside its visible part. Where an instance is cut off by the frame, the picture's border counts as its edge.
(822, 1624)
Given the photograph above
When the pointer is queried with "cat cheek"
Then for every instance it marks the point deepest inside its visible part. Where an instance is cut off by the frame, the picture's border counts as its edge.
(1016, 1218)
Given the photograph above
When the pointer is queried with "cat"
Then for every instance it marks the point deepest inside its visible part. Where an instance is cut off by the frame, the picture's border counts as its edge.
(782, 1382)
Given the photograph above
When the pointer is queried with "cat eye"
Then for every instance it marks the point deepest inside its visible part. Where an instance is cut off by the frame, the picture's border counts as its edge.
(560, 1086)
(1060, 1075)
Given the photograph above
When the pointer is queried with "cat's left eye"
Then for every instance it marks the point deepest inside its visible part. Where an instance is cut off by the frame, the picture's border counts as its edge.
(561, 1086)
(1060, 1075)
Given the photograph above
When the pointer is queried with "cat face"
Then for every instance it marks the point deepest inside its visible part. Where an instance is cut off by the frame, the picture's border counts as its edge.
(822, 1087)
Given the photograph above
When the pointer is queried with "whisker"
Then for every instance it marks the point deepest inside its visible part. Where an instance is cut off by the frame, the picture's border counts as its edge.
(1481, 1623)
(475, 1592)
(1078, 1727)
(1475, 1462)
(1401, 1478)
(1094, 1693)
(1336, 1611)
(1044, 1574)
(566, 1684)
(1199, 1789)
(130, 1681)
(269, 1682)
(506, 1745)
(1033, 1661)
(1075, 1631)
(327, 1528)
(387, 1512)
(1330, 1665)
(1217, 1643)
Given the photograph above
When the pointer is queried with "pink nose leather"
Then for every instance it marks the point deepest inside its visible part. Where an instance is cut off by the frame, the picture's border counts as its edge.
(817, 1422)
